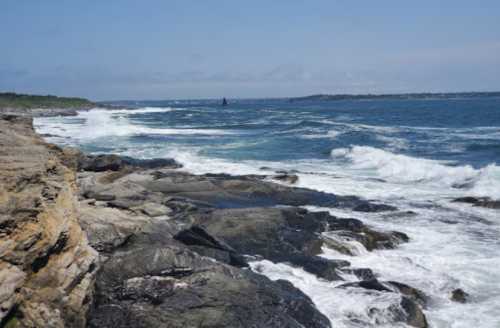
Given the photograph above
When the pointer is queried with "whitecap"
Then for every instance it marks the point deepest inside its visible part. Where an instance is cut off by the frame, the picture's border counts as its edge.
(100, 123)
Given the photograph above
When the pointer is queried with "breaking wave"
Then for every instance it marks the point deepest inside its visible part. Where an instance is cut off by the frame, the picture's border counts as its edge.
(98, 123)
(397, 168)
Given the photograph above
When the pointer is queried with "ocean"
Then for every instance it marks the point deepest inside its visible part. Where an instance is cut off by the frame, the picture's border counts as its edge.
(415, 154)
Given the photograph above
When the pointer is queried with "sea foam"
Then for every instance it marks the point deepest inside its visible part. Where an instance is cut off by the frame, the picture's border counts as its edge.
(405, 169)
(98, 123)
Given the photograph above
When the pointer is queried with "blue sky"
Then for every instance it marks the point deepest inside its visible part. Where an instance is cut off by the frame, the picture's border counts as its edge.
(161, 49)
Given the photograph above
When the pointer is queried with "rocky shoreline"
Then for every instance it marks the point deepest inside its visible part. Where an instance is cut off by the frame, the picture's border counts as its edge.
(109, 241)
(44, 112)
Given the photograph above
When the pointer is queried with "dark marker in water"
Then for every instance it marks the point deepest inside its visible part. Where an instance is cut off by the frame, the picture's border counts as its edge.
(224, 102)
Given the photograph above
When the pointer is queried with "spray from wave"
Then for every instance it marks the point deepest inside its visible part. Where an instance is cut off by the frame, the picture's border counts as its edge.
(98, 123)
(402, 169)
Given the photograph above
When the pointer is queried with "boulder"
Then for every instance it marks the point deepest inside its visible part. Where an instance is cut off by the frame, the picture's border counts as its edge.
(414, 316)
(458, 295)
(285, 177)
(408, 310)
(485, 202)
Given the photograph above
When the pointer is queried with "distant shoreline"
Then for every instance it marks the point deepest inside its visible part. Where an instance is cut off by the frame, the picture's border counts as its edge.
(49, 105)
(401, 96)
(37, 105)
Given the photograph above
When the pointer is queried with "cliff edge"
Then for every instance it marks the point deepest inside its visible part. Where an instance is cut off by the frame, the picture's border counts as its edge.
(47, 268)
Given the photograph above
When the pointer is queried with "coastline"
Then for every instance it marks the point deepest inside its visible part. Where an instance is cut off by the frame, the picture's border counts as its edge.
(132, 211)
(44, 112)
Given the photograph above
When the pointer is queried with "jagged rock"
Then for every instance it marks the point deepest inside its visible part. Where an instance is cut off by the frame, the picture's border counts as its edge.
(479, 201)
(109, 228)
(172, 244)
(291, 235)
(371, 207)
(353, 229)
(225, 191)
(111, 162)
(412, 293)
(47, 268)
(414, 315)
(321, 267)
(458, 295)
(285, 177)
(151, 279)
(153, 209)
(154, 281)
(372, 284)
(204, 244)
(360, 273)
(411, 301)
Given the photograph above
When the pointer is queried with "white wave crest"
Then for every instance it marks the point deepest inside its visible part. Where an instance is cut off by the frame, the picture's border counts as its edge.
(404, 169)
(142, 110)
(332, 134)
(98, 123)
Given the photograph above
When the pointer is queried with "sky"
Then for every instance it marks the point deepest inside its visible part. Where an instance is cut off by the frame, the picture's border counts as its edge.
(162, 49)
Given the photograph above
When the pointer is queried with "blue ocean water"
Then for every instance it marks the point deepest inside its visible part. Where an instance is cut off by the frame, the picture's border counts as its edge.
(415, 154)
(464, 131)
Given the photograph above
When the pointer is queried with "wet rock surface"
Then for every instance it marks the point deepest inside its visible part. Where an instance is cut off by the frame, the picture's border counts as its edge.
(485, 202)
(229, 219)
(458, 295)
(412, 300)
(154, 281)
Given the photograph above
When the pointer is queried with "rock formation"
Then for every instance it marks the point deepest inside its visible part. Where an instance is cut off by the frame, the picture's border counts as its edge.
(47, 268)
(109, 241)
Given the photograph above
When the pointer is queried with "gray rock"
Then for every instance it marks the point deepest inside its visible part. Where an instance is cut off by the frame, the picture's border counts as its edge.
(409, 311)
(153, 209)
(479, 201)
(291, 235)
(458, 295)
(154, 282)
(111, 162)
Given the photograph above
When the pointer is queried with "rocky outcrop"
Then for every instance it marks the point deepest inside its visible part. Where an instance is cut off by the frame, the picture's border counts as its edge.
(110, 241)
(43, 112)
(409, 309)
(458, 295)
(100, 163)
(485, 202)
(149, 279)
(47, 268)
(292, 235)
(221, 218)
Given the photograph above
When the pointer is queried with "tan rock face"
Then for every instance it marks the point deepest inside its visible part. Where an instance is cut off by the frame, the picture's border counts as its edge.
(47, 268)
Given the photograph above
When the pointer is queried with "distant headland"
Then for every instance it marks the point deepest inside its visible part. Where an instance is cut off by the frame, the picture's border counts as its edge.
(25, 101)
(404, 96)
(37, 105)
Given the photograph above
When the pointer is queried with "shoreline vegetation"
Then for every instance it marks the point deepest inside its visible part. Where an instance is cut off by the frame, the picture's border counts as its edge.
(26, 101)
(42, 105)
